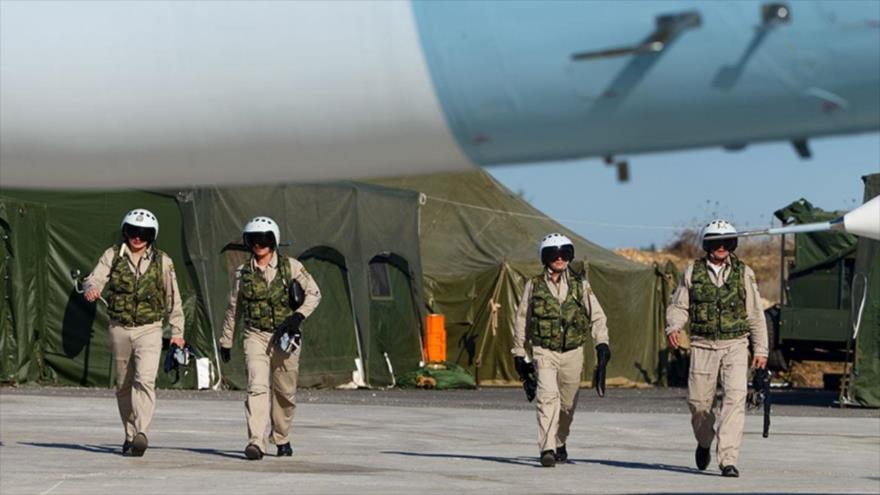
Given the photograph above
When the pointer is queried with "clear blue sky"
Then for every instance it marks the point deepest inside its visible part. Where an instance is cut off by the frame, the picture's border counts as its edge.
(686, 189)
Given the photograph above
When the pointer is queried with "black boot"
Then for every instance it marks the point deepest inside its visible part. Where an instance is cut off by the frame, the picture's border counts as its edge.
(729, 472)
(548, 458)
(139, 445)
(285, 450)
(561, 454)
(126, 447)
(253, 452)
(702, 456)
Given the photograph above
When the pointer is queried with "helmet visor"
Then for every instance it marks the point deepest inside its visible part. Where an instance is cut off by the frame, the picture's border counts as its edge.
(551, 254)
(264, 239)
(711, 245)
(147, 234)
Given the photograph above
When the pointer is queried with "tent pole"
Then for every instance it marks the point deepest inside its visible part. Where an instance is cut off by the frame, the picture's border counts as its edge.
(357, 332)
(189, 197)
(478, 362)
(421, 319)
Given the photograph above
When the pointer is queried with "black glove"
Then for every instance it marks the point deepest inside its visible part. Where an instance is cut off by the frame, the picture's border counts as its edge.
(603, 355)
(522, 367)
(225, 354)
(527, 375)
(178, 357)
(169, 358)
(290, 328)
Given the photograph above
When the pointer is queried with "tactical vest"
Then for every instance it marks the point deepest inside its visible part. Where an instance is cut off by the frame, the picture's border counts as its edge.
(265, 305)
(133, 300)
(718, 313)
(558, 327)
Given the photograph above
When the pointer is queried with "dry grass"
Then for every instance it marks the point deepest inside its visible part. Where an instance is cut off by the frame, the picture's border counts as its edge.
(762, 254)
(811, 373)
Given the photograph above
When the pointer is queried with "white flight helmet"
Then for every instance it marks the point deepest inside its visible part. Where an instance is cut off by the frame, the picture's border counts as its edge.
(554, 244)
(716, 227)
(143, 218)
(262, 225)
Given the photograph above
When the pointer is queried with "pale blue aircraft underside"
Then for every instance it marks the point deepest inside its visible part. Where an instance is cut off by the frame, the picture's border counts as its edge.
(110, 94)
(504, 74)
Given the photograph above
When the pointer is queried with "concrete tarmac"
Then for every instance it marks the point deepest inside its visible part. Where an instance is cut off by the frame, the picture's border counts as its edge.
(58, 441)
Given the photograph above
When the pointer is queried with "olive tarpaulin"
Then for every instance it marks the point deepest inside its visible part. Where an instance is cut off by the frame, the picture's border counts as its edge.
(865, 388)
(359, 241)
(383, 253)
(47, 331)
(821, 249)
(479, 244)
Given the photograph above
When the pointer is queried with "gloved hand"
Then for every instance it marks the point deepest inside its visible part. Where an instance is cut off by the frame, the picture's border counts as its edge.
(527, 375)
(291, 341)
(169, 358)
(289, 328)
(177, 358)
(225, 354)
(603, 355)
(522, 367)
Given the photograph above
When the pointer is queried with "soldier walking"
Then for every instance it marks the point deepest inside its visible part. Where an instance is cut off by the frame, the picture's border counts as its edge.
(261, 296)
(557, 314)
(140, 286)
(718, 294)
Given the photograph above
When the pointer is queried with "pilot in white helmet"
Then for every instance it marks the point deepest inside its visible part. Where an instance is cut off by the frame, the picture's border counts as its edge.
(557, 315)
(273, 294)
(719, 296)
(138, 283)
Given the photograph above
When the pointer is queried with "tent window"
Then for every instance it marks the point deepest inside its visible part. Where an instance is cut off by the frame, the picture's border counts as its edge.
(380, 286)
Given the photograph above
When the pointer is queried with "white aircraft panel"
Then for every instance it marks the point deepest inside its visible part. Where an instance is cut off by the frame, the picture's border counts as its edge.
(109, 94)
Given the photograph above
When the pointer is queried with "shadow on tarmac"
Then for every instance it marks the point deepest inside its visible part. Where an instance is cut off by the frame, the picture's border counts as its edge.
(99, 449)
(533, 462)
(117, 450)
(644, 465)
(520, 461)
(229, 454)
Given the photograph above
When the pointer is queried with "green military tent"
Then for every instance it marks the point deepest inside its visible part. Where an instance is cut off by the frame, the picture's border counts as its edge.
(479, 244)
(833, 284)
(370, 246)
(359, 241)
(47, 331)
(865, 386)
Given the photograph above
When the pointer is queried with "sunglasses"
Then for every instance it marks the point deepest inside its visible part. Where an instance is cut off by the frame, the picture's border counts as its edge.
(264, 239)
(134, 232)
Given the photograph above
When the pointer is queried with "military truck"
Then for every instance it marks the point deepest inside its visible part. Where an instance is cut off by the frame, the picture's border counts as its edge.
(812, 320)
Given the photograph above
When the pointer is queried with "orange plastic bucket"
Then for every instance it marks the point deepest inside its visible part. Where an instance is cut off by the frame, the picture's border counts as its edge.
(435, 338)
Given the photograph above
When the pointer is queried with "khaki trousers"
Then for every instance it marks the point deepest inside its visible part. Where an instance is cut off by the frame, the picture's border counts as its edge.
(136, 353)
(272, 376)
(732, 363)
(559, 380)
